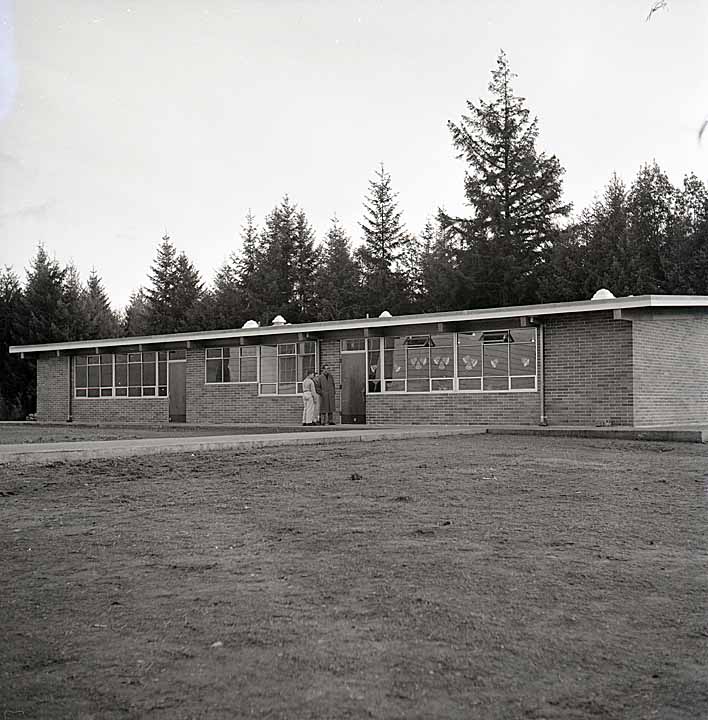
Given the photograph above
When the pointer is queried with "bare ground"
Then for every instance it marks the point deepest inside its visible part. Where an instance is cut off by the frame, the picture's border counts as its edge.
(477, 577)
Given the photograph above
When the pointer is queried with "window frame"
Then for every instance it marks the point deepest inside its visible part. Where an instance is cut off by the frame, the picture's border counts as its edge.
(281, 352)
(241, 357)
(497, 338)
(117, 391)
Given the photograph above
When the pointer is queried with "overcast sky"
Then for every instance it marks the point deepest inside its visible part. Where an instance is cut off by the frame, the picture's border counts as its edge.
(120, 120)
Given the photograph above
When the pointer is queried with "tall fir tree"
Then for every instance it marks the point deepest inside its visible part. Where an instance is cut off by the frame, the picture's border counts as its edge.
(439, 277)
(649, 210)
(385, 244)
(338, 289)
(47, 316)
(282, 279)
(135, 318)
(686, 252)
(74, 296)
(101, 321)
(17, 378)
(173, 300)
(513, 190)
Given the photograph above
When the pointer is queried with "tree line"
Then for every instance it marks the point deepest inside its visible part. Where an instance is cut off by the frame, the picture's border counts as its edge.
(517, 243)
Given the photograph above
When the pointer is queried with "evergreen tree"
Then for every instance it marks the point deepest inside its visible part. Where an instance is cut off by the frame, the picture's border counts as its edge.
(101, 321)
(160, 296)
(135, 321)
(174, 298)
(17, 382)
(188, 312)
(74, 298)
(440, 279)
(337, 288)
(47, 316)
(514, 192)
(649, 210)
(282, 279)
(385, 245)
(686, 254)
(247, 268)
(306, 260)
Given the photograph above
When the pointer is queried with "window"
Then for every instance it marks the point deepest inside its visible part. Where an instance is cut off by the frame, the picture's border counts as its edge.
(232, 365)
(491, 361)
(93, 375)
(142, 374)
(417, 363)
(500, 360)
(284, 366)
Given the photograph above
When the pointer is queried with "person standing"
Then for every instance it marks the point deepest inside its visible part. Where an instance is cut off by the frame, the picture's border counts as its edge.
(318, 399)
(308, 402)
(327, 396)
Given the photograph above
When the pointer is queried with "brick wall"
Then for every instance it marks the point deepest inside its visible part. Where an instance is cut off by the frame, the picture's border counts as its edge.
(121, 410)
(240, 403)
(671, 369)
(521, 408)
(588, 370)
(52, 388)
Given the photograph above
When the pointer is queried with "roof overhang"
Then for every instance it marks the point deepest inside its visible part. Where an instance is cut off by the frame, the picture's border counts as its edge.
(372, 325)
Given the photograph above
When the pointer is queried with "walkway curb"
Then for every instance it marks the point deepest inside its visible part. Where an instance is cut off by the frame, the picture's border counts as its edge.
(651, 434)
(43, 453)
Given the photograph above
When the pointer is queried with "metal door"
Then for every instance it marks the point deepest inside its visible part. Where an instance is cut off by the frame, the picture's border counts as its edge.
(177, 390)
(354, 387)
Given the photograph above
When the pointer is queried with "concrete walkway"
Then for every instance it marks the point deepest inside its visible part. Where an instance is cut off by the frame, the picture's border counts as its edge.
(90, 449)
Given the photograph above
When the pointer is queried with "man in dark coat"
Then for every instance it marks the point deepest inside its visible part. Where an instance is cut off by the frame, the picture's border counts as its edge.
(327, 396)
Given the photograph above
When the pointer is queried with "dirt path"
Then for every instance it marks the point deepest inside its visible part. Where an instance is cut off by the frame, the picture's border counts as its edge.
(489, 577)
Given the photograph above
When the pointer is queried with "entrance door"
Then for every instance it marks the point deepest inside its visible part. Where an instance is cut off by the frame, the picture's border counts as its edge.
(353, 386)
(177, 390)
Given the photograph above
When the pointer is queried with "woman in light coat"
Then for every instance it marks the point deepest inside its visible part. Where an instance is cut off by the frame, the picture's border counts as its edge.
(308, 402)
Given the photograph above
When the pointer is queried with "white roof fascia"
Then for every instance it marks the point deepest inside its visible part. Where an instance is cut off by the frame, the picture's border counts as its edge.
(583, 306)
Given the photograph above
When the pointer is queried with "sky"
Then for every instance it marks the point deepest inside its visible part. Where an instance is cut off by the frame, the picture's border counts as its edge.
(121, 121)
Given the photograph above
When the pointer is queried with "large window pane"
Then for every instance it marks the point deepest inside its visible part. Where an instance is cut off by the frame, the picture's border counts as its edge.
(149, 373)
(418, 363)
(134, 374)
(269, 364)
(107, 375)
(496, 359)
(249, 369)
(442, 363)
(93, 376)
(213, 371)
(287, 369)
(231, 368)
(82, 376)
(121, 375)
(469, 355)
(522, 359)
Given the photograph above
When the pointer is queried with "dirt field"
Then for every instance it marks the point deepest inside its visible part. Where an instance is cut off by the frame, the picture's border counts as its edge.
(479, 577)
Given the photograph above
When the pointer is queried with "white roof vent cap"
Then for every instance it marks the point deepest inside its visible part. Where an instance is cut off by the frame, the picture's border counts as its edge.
(278, 320)
(250, 324)
(603, 294)
(385, 313)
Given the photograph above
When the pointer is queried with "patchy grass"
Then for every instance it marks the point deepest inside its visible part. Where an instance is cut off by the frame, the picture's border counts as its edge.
(487, 576)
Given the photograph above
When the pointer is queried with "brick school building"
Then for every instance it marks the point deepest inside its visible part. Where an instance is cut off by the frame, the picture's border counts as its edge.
(634, 361)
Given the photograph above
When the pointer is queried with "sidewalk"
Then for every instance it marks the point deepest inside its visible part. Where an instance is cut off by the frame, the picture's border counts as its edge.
(90, 449)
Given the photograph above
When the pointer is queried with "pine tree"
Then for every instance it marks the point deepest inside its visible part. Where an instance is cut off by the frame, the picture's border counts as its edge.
(47, 316)
(385, 245)
(135, 321)
(160, 296)
(17, 383)
(338, 289)
(306, 260)
(440, 279)
(514, 192)
(74, 298)
(649, 210)
(685, 257)
(101, 321)
(174, 299)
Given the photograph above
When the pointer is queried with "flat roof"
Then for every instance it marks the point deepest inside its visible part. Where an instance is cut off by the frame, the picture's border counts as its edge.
(643, 302)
